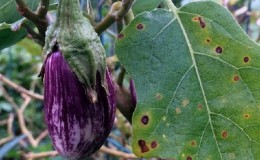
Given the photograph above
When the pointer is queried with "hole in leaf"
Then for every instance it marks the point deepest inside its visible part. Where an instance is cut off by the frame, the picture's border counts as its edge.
(219, 49)
(143, 146)
(145, 120)
(153, 144)
(140, 26)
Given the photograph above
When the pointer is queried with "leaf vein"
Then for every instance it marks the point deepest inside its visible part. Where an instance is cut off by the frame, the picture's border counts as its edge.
(175, 12)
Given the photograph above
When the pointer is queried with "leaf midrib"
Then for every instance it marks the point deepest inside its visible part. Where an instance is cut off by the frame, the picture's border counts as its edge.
(174, 10)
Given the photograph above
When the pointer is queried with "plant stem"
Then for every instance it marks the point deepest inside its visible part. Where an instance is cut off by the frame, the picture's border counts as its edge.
(126, 5)
(118, 11)
(68, 12)
(170, 5)
(121, 77)
(43, 8)
(37, 18)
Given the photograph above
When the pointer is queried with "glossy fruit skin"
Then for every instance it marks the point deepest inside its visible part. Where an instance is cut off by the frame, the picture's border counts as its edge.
(77, 126)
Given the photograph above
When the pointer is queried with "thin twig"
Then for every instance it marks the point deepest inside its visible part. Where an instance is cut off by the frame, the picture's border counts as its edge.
(9, 98)
(116, 152)
(126, 5)
(10, 124)
(5, 140)
(22, 125)
(19, 111)
(240, 11)
(41, 136)
(43, 8)
(118, 11)
(32, 34)
(20, 88)
(9, 129)
(37, 18)
(26, 12)
(26, 102)
(31, 156)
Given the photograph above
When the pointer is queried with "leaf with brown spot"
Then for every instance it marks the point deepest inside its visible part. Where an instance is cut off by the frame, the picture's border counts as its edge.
(214, 81)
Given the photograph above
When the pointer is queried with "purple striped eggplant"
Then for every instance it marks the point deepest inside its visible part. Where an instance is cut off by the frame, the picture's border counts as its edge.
(79, 96)
(77, 126)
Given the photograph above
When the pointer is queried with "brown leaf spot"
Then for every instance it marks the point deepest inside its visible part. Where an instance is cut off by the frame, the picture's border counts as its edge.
(140, 26)
(195, 19)
(200, 106)
(189, 158)
(224, 134)
(178, 111)
(193, 143)
(219, 49)
(145, 120)
(158, 96)
(236, 78)
(185, 102)
(120, 36)
(143, 146)
(202, 22)
(208, 40)
(247, 116)
(246, 59)
(153, 144)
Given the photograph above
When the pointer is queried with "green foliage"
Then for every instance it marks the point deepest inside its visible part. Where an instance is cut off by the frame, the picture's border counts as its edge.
(21, 63)
(140, 6)
(7, 12)
(8, 16)
(8, 37)
(196, 74)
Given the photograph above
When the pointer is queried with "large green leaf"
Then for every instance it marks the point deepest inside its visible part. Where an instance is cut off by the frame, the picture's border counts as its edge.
(9, 13)
(197, 77)
(9, 37)
(140, 6)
